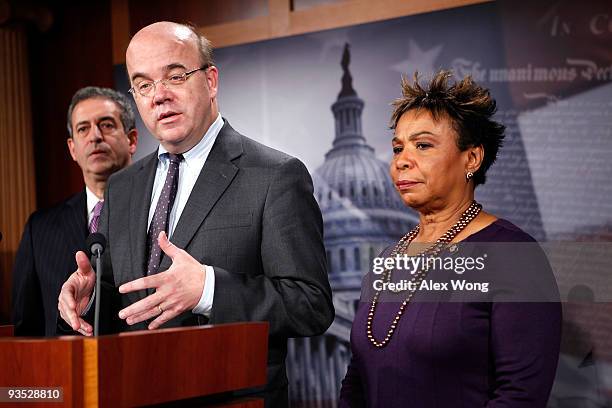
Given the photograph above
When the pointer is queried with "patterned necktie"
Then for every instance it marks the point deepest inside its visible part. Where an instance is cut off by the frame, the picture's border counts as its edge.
(159, 222)
(95, 219)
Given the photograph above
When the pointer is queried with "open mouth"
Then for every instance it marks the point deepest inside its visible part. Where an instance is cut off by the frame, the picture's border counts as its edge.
(167, 117)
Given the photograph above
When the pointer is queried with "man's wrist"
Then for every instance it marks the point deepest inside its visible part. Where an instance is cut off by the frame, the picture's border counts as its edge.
(204, 306)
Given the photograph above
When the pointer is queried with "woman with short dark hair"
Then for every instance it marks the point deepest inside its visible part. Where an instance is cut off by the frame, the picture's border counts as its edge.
(487, 351)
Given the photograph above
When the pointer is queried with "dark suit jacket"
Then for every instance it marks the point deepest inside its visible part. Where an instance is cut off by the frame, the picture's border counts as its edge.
(253, 217)
(44, 261)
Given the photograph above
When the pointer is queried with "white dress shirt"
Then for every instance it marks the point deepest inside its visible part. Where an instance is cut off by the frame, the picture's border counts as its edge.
(189, 170)
(92, 200)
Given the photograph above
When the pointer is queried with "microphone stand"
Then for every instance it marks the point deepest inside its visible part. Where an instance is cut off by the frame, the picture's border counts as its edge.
(96, 243)
(98, 256)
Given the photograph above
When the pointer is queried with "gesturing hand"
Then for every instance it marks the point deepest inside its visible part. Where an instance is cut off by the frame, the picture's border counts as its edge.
(176, 290)
(75, 294)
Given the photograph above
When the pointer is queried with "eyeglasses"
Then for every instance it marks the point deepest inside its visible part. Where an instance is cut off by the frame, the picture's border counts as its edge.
(147, 88)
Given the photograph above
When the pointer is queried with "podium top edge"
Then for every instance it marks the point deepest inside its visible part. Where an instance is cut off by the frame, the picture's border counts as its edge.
(186, 329)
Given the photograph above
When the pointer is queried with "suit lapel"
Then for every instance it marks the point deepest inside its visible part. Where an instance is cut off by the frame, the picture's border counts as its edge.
(74, 222)
(215, 177)
(140, 202)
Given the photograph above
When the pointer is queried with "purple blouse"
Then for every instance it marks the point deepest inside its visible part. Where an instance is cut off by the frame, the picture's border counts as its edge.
(444, 354)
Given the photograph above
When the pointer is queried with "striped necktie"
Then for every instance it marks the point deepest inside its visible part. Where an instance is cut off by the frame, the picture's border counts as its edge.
(95, 219)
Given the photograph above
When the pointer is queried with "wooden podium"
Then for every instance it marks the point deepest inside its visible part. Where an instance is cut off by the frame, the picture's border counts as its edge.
(6, 331)
(141, 368)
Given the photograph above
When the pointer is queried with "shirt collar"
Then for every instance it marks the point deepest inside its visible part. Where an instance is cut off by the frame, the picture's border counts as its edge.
(198, 151)
(92, 200)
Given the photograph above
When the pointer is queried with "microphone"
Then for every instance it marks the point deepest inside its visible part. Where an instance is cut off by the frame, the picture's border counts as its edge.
(96, 243)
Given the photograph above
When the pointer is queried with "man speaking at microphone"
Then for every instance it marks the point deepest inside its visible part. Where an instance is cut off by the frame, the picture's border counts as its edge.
(245, 230)
(102, 138)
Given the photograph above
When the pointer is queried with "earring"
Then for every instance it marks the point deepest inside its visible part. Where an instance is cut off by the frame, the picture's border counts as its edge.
(469, 175)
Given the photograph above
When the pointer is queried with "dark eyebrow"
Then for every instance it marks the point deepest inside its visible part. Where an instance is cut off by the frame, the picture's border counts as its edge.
(417, 134)
(167, 68)
(106, 118)
(412, 136)
(103, 118)
(174, 66)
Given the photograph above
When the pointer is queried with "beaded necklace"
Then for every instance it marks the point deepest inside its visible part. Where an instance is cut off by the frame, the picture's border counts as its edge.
(401, 247)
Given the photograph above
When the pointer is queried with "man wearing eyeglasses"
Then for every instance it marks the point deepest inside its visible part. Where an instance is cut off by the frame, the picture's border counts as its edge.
(245, 230)
(102, 138)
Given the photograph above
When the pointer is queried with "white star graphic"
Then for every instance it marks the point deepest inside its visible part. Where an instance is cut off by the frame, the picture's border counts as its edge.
(418, 60)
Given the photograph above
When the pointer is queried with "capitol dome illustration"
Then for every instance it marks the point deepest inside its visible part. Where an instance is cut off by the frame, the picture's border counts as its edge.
(362, 211)
(362, 215)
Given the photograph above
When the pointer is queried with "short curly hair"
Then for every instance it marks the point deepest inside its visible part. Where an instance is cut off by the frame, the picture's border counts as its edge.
(469, 107)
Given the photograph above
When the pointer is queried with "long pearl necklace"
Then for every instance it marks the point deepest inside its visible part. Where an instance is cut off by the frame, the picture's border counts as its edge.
(401, 247)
